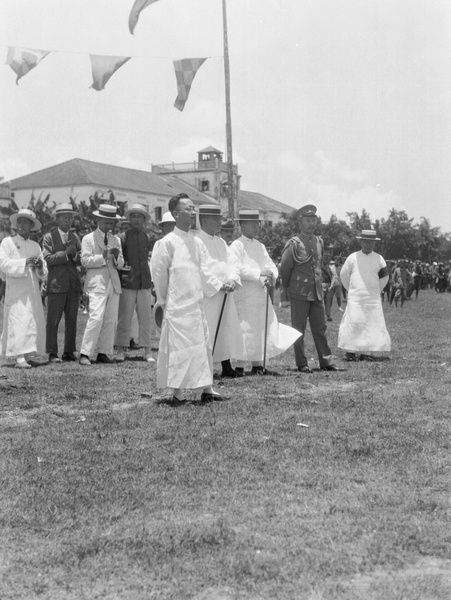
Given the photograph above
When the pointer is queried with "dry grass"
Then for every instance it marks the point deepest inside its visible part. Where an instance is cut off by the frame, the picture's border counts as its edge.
(108, 494)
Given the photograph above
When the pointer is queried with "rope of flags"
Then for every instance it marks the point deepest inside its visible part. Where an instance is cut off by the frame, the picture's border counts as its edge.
(23, 60)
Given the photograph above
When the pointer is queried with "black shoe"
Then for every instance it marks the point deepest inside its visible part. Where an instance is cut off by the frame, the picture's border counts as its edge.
(207, 397)
(231, 374)
(329, 318)
(258, 370)
(69, 357)
(367, 357)
(305, 369)
(103, 358)
(54, 358)
(239, 372)
(177, 401)
(133, 345)
(332, 368)
(351, 357)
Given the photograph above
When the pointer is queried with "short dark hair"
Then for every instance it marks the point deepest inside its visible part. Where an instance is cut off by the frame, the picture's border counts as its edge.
(174, 202)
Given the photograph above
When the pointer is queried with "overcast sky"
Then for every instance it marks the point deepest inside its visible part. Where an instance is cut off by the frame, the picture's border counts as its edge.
(343, 103)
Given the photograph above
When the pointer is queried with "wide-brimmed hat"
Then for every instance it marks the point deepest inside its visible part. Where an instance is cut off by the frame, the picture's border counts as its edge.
(166, 218)
(64, 209)
(210, 210)
(309, 210)
(248, 215)
(26, 213)
(107, 211)
(368, 234)
(138, 208)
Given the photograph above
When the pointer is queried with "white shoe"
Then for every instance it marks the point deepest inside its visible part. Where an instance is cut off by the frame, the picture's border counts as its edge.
(340, 309)
(120, 357)
(149, 358)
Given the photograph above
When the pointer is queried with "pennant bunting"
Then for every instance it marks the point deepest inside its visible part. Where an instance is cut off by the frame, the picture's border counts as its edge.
(138, 6)
(103, 67)
(22, 60)
(185, 71)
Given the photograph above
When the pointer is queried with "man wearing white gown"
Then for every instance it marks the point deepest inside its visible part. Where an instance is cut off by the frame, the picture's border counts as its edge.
(364, 275)
(226, 338)
(181, 279)
(255, 311)
(22, 264)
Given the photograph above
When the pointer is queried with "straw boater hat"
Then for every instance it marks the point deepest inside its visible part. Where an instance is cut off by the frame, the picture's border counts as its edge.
(27, 214)
(368, 234)
(107, 211)
(124, 221)
(309, 210)
(166, 218)
(64, 209)
(137, 208)
(210, 210)
(249, 215)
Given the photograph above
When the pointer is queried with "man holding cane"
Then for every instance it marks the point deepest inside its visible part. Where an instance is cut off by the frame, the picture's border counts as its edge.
(226, 338)
(264, 337)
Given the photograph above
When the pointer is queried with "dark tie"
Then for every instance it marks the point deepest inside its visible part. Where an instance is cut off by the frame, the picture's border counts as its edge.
(105, 239)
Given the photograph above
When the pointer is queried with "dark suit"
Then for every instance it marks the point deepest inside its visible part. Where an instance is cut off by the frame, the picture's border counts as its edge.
(63, 289)
(300, 270)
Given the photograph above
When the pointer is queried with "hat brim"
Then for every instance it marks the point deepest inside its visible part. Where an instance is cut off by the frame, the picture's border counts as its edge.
(65, 212)
(37, 226)
(376, 239)
(99, 216)
(139, 212)
(298, 215)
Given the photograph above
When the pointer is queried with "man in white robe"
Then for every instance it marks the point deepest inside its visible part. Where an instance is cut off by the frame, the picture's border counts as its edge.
(23, 265)
(226, 338)
(181, 279)
(258, 273)
(364, 275)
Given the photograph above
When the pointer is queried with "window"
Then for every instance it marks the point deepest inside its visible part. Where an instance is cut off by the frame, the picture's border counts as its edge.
(204, 185)
(158, 214)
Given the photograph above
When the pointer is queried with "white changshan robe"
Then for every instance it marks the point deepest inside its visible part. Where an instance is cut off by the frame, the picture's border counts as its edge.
(181, 278)
(250, 300)
(23, 314)
(229, 342)
(362, 328)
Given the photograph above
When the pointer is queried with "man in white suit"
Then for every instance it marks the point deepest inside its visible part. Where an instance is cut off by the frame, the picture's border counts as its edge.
(101, 256)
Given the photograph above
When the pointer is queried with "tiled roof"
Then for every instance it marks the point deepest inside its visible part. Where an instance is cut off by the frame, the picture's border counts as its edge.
(209, 149)
(256, 201)
(78, 171)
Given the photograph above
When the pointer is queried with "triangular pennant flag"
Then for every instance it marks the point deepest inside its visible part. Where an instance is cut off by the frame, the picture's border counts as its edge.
(138, 6)
(185, 71)
(103, 67)
(22, 60)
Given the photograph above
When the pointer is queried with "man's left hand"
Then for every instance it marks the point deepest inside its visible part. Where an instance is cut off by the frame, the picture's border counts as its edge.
(229, 286)
(114, 252)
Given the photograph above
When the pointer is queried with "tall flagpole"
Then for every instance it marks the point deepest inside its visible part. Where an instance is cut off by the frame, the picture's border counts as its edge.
(231, 192)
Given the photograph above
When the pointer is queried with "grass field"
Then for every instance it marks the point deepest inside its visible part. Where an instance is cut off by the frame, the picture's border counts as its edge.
(316, 487)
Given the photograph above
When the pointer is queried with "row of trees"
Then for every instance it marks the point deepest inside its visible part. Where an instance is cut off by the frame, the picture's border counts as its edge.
(400, 236)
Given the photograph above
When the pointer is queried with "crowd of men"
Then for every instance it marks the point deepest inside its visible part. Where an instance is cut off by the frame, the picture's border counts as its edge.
(212, 293)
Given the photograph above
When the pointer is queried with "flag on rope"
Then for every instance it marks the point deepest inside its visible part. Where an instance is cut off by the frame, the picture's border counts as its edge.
(138, 6)
(22, 60)
(103, 67)
(185, 71)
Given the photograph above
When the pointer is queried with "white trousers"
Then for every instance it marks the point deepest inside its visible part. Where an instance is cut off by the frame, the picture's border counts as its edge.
(102, 322)
(142, 301)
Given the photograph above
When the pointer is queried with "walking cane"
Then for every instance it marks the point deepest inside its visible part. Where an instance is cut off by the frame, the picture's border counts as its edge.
(219, 323)
(266, 329)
